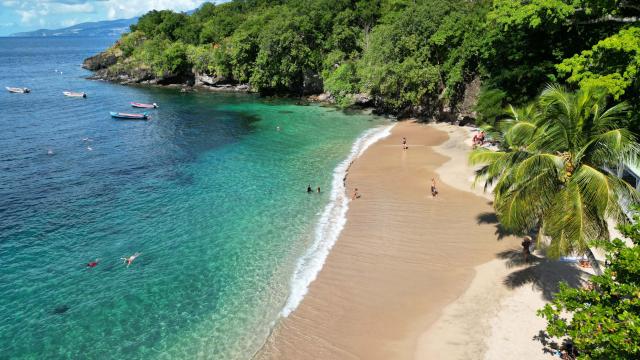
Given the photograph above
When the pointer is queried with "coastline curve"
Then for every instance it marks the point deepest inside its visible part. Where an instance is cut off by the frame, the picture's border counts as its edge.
(330, 224)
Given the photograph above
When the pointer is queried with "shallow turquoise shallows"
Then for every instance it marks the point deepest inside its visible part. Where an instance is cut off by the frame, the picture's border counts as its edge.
(210, 193)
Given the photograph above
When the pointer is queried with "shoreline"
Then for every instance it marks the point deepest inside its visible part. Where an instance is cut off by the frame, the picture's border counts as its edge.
(397, 263)
(331, 221)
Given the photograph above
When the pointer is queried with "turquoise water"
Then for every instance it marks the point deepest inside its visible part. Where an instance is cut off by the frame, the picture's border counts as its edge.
(209, 192)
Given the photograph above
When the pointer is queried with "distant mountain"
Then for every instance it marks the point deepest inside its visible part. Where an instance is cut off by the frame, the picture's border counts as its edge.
(99, 28)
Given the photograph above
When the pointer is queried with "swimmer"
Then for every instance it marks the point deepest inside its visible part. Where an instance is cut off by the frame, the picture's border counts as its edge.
(278, 128)
(130, 259)
(309, 191)
(89, 148)
(93, 264)
(87, 139)
(49, 152)
(318, 189)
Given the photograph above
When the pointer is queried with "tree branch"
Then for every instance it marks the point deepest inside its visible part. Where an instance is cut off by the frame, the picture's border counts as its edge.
(611, 18)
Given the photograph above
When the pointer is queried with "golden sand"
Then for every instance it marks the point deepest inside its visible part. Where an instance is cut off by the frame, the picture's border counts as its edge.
(401, 258)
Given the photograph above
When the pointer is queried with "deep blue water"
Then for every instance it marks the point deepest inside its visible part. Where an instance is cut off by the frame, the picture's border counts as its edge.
(209, 192)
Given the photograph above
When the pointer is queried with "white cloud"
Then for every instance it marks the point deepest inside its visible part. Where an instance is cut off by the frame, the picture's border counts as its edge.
(26, 15)
(131, 8)
(58, 8)
(69, 22)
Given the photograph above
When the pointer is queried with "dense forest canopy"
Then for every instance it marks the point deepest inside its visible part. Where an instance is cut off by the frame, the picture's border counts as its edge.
(411, 57)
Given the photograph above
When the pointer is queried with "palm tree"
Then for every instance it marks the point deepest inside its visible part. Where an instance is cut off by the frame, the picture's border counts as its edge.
(553, 174)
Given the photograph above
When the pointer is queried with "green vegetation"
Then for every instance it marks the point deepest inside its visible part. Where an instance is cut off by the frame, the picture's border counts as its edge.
(603, 320)
(412, 57)
(551, 175)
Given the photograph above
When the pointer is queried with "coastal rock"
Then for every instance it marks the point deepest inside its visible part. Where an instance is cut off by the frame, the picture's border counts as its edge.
(312, 83)
(323, 98)
(101, 61)
(362, 99)
(470, 99)
(202, 79)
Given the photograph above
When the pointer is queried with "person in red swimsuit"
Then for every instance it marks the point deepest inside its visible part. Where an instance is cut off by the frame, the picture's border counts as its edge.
(93, 264)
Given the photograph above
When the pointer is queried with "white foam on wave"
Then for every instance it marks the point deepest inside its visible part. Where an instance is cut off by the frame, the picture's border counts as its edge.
(331, 222)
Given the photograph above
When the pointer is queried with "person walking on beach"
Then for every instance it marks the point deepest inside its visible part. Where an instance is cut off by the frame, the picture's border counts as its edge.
(355, 194)
(404, 143)
(434, 190)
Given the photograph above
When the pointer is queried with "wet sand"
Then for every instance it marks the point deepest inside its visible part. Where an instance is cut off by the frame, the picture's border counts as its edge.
(401, 258)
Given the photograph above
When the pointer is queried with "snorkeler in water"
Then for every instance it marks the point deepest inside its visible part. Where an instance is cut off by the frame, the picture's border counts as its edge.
(129, 260)
(92, 264)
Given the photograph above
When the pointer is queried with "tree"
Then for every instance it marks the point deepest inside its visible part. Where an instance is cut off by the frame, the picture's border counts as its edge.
(553, 173)
(603, 320)
(284, 56)
(613, 63)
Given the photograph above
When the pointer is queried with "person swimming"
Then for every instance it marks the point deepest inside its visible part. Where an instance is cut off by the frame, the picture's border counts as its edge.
(309, 190)
(129, 260)
(92, 264)
(318, 189)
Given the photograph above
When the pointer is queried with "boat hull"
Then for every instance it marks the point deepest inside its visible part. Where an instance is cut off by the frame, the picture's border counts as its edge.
(143, 106)
(18, 90)
(74, 94)
(127, 116)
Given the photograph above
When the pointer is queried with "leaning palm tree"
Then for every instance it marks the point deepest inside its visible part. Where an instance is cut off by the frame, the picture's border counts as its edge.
(553, 174)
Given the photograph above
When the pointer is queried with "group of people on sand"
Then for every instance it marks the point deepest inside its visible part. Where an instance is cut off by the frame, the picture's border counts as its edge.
(434, 189)
(479, 139)
(125, 260)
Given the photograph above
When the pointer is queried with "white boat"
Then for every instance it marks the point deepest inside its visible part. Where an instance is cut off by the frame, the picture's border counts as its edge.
(18, 90)
(75, 94)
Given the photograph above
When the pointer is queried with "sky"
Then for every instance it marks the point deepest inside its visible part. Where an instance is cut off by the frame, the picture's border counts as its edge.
(27, 15)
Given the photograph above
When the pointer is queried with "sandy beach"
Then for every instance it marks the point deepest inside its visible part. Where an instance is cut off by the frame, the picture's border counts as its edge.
(402, 257)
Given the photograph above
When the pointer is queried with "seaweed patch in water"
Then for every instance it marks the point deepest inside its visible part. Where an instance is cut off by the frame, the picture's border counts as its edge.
(61, 309)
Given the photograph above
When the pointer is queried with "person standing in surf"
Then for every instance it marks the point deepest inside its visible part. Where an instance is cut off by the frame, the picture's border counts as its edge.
(434, 190)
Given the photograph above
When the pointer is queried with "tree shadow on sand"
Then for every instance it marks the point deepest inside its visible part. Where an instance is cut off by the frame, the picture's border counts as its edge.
(492, 218)
(541, 273)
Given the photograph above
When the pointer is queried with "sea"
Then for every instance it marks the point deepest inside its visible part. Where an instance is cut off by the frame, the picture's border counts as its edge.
(211, 192)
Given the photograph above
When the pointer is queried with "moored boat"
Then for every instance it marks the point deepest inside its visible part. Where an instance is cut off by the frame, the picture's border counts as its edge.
(119, 115)
(144, 106)
(17, 90)
(75, 94)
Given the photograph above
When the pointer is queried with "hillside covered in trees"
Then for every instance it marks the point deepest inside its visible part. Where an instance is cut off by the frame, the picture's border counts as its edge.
(406, 57)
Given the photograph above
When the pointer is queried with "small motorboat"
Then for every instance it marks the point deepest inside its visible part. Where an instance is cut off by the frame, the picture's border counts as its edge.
(75, 94)
(144, 106)
(17, 90)
(119, 115)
